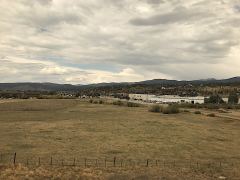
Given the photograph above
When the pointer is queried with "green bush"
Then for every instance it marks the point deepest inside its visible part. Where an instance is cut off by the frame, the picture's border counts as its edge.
(237, 106)
(171, 109)
(187, 105)
(155, 108)
(213, 106)
(95, 102)
(91, 101)
(197, 112)
(118, 103)
(131, 104)
(215, 99)
(211, 115)
(233, 98)
(208, 106)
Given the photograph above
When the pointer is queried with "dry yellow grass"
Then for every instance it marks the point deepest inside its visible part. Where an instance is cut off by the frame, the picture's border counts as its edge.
(67, 129)
(21, 172)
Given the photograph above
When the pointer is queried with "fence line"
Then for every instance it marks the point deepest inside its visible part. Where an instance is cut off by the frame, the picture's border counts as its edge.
(113, 162)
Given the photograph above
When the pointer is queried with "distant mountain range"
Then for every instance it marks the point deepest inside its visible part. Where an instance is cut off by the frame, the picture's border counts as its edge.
(37, 87)
(154, 82)
(193, 82)
(167, 82)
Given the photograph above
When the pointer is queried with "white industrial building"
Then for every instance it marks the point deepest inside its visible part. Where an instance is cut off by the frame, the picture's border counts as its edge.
(225, 99)
(167, 98)
(141, 97)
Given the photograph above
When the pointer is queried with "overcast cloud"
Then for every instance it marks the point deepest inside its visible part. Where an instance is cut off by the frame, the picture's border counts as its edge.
(81, 42)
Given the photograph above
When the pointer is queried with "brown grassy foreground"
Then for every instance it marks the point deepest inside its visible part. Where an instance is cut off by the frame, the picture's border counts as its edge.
(68, 129)
(20, 172)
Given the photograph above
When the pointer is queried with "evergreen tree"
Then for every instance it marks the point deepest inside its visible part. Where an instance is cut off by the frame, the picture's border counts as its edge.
(233, 98)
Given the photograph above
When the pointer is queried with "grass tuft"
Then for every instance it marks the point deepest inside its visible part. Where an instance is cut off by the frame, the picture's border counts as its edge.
(171, 109)
(197, 112)
(155, 108)
(131, 104)
(211, 115)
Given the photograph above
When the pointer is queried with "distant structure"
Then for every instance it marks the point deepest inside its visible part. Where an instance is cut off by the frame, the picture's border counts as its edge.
(167, 99)
(225, 99)
(66, 94)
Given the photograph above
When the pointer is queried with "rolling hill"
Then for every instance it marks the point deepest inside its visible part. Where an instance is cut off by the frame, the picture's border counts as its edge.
(147, 83)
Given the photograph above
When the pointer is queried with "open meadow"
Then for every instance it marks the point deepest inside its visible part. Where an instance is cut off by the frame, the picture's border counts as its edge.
(68, 129)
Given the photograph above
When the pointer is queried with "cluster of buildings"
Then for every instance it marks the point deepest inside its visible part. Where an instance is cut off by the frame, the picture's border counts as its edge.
(167, 98)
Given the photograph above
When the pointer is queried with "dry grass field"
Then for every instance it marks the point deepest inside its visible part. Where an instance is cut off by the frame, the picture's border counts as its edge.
(20, 172)
(68, 129)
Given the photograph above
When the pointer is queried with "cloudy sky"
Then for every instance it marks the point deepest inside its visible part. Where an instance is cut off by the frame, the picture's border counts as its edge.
(92, 41)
